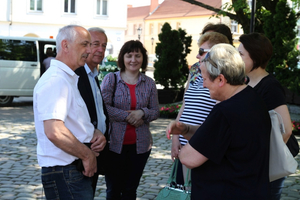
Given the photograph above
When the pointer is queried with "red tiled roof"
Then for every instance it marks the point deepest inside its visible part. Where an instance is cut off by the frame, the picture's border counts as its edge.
(136, 13)
(179, 8)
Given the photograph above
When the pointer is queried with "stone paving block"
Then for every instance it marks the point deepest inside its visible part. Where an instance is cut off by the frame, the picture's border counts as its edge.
(7, 197)
(24, 198)
(295, 187)
(6, 189)
(288, 198)
(28, 194)
(7, 182)
(148, 196)
(152, 190)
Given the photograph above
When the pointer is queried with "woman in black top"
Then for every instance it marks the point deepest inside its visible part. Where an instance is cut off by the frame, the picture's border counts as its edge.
(256, 51)
(229, 152)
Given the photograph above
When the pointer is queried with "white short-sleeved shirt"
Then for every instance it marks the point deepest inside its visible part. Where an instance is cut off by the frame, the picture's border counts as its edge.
(56, 96)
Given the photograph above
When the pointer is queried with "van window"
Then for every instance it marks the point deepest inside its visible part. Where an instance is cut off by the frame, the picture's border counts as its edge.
(18, 50)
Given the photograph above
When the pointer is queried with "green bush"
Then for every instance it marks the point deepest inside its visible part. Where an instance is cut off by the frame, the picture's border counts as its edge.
(171, 69)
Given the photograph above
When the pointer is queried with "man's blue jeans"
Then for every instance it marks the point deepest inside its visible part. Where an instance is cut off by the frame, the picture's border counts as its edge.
(276, 188)
(65, 182)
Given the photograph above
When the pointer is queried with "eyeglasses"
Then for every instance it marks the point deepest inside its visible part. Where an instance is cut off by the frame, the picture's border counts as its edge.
(208, 59)
(202, 51)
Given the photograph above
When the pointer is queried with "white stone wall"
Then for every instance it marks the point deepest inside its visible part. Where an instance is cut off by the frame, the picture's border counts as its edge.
(16, 19)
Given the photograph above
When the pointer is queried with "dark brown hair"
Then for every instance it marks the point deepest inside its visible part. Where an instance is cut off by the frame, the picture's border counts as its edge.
(219, 28)
(132, 46)
(259, 48)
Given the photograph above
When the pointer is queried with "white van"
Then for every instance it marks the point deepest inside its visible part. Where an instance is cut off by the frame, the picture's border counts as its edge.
(21, 65)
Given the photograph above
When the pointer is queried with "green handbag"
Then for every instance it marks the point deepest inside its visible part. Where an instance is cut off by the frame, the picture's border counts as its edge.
(173, 191)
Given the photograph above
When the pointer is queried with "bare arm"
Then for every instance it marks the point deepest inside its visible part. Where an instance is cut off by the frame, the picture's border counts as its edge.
(179, 128)
(190, 157)
(284, 112)
(60, 136)
(176, 146)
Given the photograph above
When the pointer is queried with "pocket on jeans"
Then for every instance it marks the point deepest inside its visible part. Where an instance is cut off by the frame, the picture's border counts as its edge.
(74, 176)
(51, 191)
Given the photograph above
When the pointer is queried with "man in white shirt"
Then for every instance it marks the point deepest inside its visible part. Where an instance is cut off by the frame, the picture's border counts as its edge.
(62, 121)
(46, 61)
(88, 85)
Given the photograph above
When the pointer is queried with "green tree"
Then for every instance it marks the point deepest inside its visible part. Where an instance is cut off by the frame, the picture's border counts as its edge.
(277, 21)
(171, 69)
(186, 42)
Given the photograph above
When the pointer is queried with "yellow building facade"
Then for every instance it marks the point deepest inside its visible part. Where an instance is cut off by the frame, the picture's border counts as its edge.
(179, 14)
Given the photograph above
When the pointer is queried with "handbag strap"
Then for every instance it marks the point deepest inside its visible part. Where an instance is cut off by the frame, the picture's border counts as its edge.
(115, 86)
(187, 182)
(281, 124)
(173, 174)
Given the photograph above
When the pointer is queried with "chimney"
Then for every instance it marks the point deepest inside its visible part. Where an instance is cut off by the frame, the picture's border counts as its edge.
(153, 5)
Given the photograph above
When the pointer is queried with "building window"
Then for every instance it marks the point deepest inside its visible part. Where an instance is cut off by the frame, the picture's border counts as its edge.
(36, 5)
(151, 29)
(159, 28)
(101, 7)
(134, 29)
(178, 25)
(234, 26)
(69, 6)
(298, 28)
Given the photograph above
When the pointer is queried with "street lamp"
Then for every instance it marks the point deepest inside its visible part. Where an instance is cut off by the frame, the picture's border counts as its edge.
(152, 41)
(139, 31)
(252, 20)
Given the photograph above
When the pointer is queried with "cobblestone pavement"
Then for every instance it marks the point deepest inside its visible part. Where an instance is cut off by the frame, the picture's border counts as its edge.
(20, 173)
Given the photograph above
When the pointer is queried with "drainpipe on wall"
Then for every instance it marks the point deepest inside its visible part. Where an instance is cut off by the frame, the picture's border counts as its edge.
(10, 16)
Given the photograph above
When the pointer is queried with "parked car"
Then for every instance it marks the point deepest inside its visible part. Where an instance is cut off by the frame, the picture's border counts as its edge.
(21, 65)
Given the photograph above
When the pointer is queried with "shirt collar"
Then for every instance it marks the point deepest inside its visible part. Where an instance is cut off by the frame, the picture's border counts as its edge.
(63, 67)
(88, 71)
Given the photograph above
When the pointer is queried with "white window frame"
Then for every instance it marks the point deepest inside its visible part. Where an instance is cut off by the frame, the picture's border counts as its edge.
(69, 7)
(35, 6)
(298, 29)
(151, 29)
(160, 25)
(234, 25)
(100, 8)
(249, 2)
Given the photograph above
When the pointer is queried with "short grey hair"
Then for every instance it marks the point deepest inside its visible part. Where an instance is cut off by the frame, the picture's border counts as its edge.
(65, 33)
(228, 62)
(96, 29)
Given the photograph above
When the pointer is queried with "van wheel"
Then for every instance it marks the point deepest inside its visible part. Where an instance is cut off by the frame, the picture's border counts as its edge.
(5, 100)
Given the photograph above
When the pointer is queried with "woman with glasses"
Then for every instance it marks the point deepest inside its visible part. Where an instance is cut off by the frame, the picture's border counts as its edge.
(196, 103)
(256, 51)
(229, 152)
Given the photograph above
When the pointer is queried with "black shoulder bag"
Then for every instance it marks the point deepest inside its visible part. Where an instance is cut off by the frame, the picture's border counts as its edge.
(103, 158)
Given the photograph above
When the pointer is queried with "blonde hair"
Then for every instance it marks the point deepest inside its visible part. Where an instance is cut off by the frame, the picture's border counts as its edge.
(212, 38)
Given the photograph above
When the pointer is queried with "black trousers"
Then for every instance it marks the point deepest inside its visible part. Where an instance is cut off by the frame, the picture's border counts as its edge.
(125, 171)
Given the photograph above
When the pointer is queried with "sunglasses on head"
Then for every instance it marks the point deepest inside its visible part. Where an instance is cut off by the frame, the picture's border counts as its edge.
(208, 59)
(202, 51)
